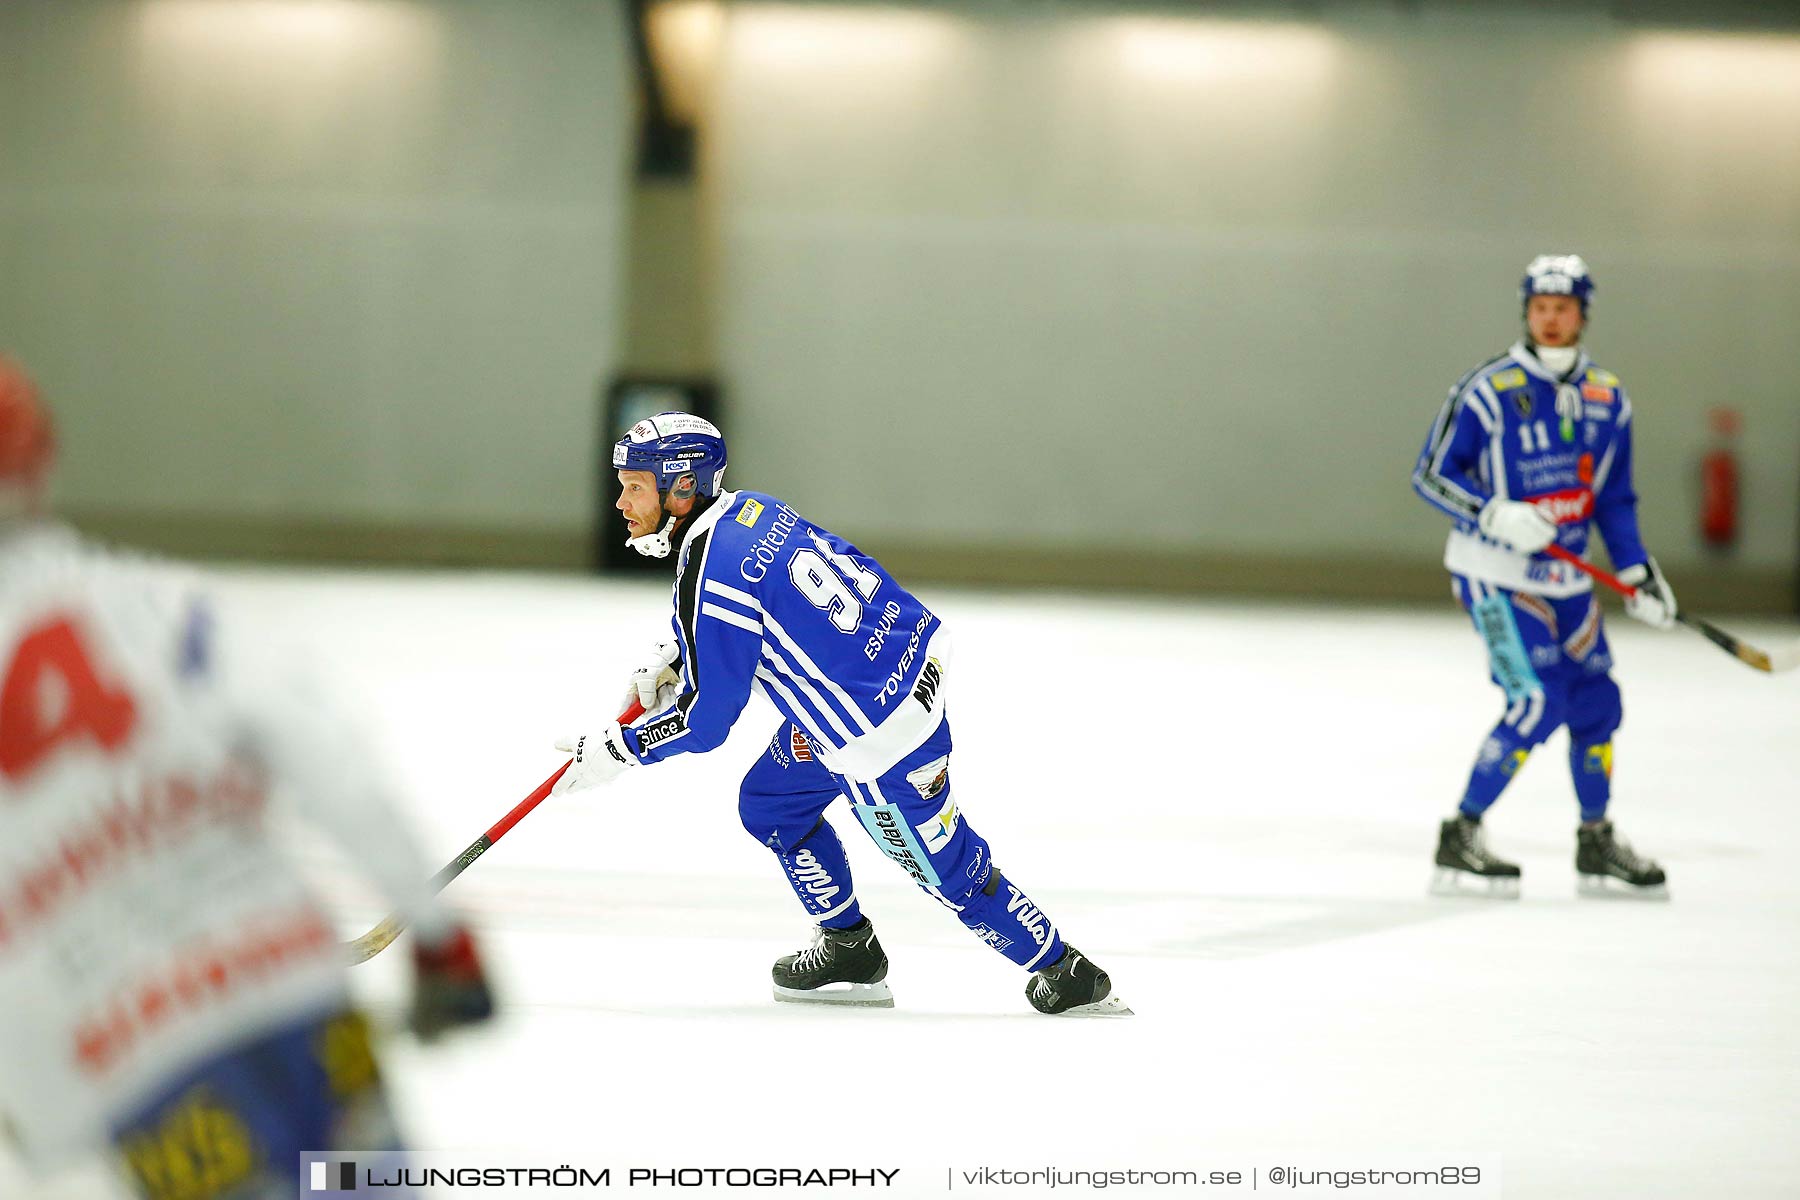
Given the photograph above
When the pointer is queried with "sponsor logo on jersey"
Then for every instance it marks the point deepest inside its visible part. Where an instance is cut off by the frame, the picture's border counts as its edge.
(777, 753)
(1595, 413)
(1539, 610)
(884, 625)
(1548, 571)
(750, 513)
(931, 677)
(938, 831)
(1502, 381)
(1523, 402)
(1028, 915)
(1547, 473)
(1511, 764)
(992, 937)
(811, 877)
(1604, 378)
(1584, 468)
(896, 840)
(755, 564)
(1545, 656)
(1596, 393)
(802, 747)
(1598, 760)
(1506, 656)
(143, 1007)
(670, 425)
(1567, 507)
(891, 686)
(154, 813)
(930, 779)
(663, 729)
(1581, 643)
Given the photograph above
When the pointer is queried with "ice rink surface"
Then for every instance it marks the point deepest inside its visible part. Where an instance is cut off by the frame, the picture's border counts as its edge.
(1231, 807)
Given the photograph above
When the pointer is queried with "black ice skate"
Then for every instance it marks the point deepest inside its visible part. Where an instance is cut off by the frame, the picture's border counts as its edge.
(844, 966)
(1074, 986)
(1606, 865)
(1465, 866)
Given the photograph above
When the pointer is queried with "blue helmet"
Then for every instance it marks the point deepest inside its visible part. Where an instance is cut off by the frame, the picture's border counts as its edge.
(673, 446)
(1557, 275)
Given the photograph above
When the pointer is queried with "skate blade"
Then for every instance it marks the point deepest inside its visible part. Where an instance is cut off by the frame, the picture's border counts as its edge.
(1112, 1006)
(1606, 887)
(852, 995)
(1465, 885)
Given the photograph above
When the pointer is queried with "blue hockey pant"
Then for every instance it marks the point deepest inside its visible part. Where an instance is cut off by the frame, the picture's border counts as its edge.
(1549, 655)
(912, 815)
(235, 1126)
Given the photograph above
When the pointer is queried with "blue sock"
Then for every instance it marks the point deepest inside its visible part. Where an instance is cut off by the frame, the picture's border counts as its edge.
(1005, 918)
(1590, 766)
(1500, 759)
(819, 873)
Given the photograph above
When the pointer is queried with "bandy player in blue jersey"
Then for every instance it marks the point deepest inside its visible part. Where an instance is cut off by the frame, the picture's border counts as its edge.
(766, 601)
(1533, 448)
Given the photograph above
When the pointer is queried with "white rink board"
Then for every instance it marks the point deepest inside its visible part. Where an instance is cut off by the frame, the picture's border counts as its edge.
(1241, 835)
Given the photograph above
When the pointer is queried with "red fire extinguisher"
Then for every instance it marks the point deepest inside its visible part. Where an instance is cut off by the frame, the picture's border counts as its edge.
(1719, 481)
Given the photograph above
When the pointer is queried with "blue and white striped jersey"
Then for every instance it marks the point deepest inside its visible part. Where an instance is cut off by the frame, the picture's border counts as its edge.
(766, 600)
(1514, 429)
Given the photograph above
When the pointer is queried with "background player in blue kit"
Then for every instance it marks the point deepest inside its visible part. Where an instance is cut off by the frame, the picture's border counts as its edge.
(766, 601)
(1531, 448)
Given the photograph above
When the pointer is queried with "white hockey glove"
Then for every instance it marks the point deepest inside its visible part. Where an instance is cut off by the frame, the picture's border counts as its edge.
(655, 684)
(598, 758)
(1517, 524)
(1654, 603)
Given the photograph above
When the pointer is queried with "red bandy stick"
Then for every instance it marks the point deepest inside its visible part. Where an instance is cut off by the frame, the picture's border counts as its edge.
(1744, 652)
(382, 936)
(1604, 576)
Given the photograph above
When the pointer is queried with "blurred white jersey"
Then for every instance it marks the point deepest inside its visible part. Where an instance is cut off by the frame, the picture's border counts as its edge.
(148, 920)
